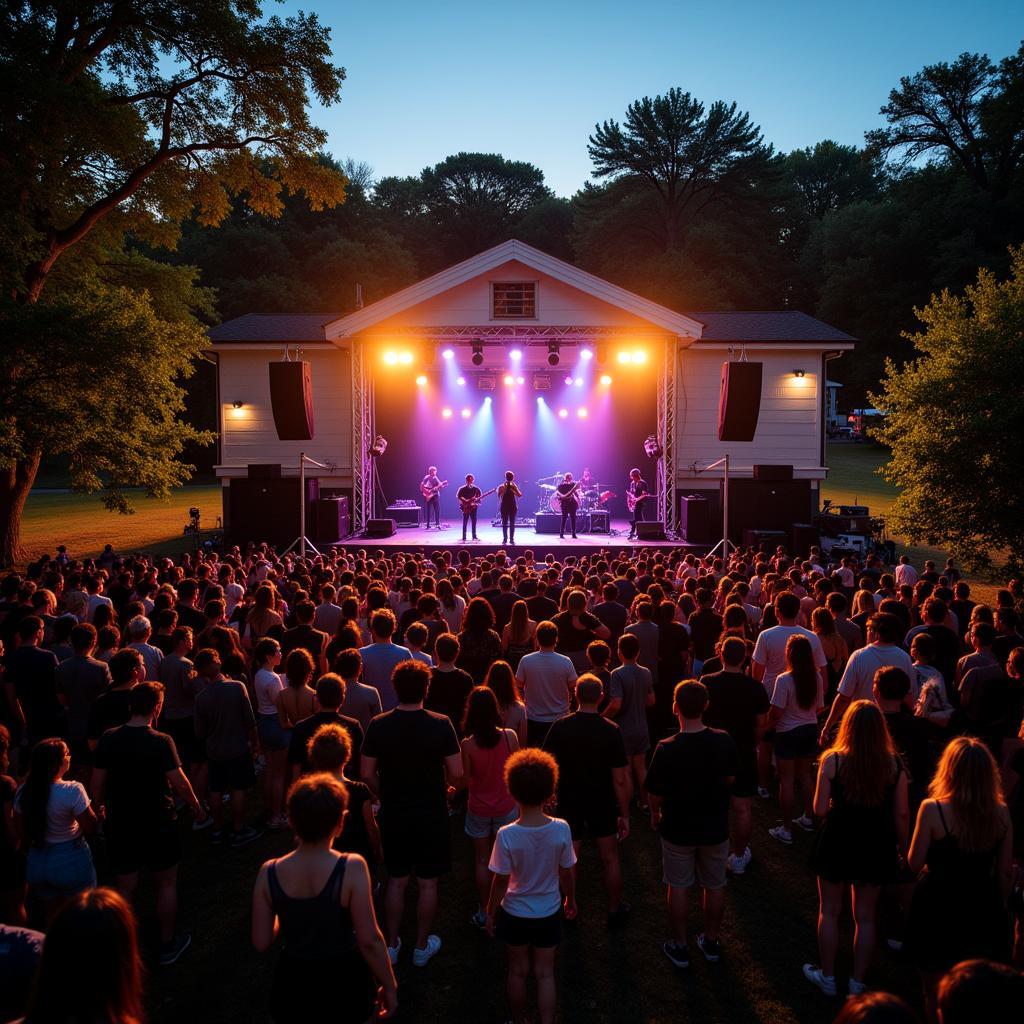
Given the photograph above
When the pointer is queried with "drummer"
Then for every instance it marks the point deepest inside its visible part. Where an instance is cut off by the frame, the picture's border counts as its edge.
(587, 481)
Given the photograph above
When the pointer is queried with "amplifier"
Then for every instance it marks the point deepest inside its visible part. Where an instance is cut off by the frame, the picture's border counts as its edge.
(768, 539)
(600, 521)
(695, 518)
(380, 528)
(404, 515)
(650, 531)
(331, 520)
(547, 522)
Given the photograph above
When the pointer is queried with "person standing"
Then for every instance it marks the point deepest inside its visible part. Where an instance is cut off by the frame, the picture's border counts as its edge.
(330, 695)
(136, 778)
(80, 679)
(430, 487)
(30, 681)
(688, 785)
(360, 701)
(468, 495)
(545, 680)
(577, 629)
(450, 685)
(410, 757)
(566, 492)
(637, 490)
(508, 495)
(382, 655)
(630, 695)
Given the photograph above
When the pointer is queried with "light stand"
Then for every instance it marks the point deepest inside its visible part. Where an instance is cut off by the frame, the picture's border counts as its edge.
(302, 541)
(724, 543)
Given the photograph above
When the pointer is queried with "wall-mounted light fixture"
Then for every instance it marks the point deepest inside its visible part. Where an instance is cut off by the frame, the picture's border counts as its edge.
(799, 373)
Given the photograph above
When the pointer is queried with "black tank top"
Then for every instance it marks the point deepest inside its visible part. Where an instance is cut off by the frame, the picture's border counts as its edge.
(317, 927)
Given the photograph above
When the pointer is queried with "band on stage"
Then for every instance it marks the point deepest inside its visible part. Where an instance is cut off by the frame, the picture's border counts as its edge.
(560, 493)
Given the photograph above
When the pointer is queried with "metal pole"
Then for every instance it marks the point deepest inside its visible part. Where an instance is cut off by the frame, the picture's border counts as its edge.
(302, 505)
(725, 509)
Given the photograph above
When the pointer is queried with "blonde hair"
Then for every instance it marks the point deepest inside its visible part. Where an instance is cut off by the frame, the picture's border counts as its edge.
(968, 780)
(867, 757)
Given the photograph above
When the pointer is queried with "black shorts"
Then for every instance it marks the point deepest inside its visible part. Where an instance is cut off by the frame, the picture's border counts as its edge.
(799, 743)
(415, 844)
(226, 776)
(537, 732)
(745, 783)
(598, 821)
(539, 932)
(143, 849)
(183, 732)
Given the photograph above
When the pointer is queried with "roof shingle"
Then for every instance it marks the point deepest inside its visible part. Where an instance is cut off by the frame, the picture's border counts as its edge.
(782, 326)
(274, 327)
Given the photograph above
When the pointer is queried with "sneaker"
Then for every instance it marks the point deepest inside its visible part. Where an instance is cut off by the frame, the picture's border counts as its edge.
(393, 952)
(896, 945)
(479, 918)
(244, 836)
(856, 988)
(171, 953)
(422, 957)
(711, 948)
(781, 833)
(816, 976)
(763, 793)
(679, 955)
(618, 917)
(735, 865)
(748, 856)
(217, 836)
(805, 822)
(198, 824)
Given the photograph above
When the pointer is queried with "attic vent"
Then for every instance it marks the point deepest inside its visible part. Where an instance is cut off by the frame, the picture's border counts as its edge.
(513, 300)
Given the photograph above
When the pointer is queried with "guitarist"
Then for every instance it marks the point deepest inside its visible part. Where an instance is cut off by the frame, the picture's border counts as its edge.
(469, 493)
(508, 492)
(567, 491)
(430, 487)
(636, 496)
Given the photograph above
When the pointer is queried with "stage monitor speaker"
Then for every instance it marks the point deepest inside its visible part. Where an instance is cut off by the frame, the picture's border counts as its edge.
(381, 528)
(763, 472)
(695, 519)
(650, 531)
(769, 539)
(739, 401)
(805, 536)
(330, 519)
(264, 470)
(405, 515)
(547, 522)
(291, 398)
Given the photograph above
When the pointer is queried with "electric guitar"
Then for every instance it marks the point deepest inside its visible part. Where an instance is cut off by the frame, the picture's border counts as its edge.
(563, 498)
(432, 492)
(468, 504)
(632, 500)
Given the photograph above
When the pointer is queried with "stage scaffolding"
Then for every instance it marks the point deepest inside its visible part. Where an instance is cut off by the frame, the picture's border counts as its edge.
(666, 434)
(362, 437)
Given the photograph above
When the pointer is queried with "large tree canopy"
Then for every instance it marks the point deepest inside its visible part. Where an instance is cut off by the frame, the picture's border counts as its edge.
(954, 421)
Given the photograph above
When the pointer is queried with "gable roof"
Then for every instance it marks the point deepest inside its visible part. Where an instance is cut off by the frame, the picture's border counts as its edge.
(275, 327)
(490, 259)
(783, 326)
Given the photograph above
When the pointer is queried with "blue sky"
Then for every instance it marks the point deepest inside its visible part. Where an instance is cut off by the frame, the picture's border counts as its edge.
(530, 79)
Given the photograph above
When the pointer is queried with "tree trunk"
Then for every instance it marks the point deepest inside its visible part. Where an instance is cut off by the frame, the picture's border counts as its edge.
(16, 481)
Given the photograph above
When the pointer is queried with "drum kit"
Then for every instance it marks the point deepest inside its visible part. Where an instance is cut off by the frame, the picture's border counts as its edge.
(592, 498)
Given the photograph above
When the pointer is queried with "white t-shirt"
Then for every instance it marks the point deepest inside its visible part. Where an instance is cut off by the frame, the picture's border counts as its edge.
(66, 802)
(770, 651)
(846, 576)
(545, 678)
(793, 716)
(268, 685)
(531, 858)
(454, 616)
(864, 663)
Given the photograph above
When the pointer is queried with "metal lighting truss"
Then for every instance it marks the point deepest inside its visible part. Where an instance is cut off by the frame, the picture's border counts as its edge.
(666, 433)
(362, 438)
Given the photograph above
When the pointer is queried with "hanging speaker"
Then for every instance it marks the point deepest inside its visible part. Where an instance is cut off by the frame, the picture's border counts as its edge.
(291, 398)
(739, 401)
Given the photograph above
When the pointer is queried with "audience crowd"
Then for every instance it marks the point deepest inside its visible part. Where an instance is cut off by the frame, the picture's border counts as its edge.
(361, 700)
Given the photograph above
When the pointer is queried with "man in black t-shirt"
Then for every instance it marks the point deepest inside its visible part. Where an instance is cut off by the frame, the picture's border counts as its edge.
(31, 672)
(330, 695)
(593, 784)
(305, 635)
(738, 704)
(410, 757)
(911, 736)
(688, 785)
(468, 492)
(449, 686)
(136, 775)
(577, 628)
(111, 708)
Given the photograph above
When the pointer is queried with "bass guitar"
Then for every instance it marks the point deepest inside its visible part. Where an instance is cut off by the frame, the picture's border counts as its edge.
(432, 492)
(632, 500)
(563, 498)
(468, 504)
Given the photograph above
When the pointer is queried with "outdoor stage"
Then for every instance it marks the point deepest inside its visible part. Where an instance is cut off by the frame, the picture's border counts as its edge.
(449, 538)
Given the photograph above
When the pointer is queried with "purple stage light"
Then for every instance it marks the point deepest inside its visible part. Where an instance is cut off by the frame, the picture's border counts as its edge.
(448, 353)
(568, 380)
(516, 353)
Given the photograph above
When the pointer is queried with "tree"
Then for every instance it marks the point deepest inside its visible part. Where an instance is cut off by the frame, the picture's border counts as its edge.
(126, 117)
(954, 420)
(829, 176)
(970, 112)
(686, 156)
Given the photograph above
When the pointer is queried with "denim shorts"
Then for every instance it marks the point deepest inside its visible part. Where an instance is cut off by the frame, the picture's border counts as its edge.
(272, 735)
(58, 870)
(479, 827)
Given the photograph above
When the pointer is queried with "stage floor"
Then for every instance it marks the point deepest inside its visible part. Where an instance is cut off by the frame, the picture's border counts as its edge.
(449, 537)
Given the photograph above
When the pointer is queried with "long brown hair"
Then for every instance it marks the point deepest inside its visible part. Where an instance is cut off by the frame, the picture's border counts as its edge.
(44, 765)
(519, 624)
(800, 665)
(90, 969)
(968, 780)
(867, 757)
(502, 680)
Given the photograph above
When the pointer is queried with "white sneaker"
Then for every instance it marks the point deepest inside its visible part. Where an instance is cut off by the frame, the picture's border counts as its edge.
(748, 856)
(737, 865)
(763, 793)
(816, 977)
(805, 822)
(781, 833)
(422, 957)
(393, 952)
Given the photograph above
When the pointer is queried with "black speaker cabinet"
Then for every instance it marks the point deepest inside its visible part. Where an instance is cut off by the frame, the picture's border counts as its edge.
(768, 505)
(381, 528)
(739, 401)
(695, 519)
(547, 522)
(650, 531)
(763, 472)
(291, 398)
(805, 536)
(330, 519)
(405, 515)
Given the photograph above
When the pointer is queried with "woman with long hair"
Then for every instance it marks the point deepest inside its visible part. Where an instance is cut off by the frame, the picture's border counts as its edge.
(262, 617)
(54, 817)
(319, 902)
(963, 847)
(863, 608)
(274, 738)
(348, 634)
(91, 969)
(502, 681)
(452, 606)
(486, 748)
(862, 795)
(479, 644)
(834, 647)
(297, 700)
(518, 638)
(796, 702)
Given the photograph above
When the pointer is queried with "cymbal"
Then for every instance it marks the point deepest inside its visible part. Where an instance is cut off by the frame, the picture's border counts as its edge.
(547, 487)
(554, 476)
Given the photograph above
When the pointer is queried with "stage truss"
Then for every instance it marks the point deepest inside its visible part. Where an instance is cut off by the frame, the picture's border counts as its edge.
(666, 434)
(362, 438)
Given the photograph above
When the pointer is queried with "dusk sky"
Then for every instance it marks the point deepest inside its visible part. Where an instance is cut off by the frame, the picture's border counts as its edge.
(530, 79)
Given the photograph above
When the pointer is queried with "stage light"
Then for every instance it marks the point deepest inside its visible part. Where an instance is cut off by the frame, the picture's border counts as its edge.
(652, 449)
(639, 357)
(520, 380)
(446, 413)
(466, 413)
(448, 353)
(379, 446)
(605, 379)
(516, 354)
(625, 357)
(582, 413)
(461, 382)
(586, 353)
(478, 354)
(568, 381)
(405, 358)
(553, 356)
(562, 413)
(391, 358)
(421, 379)
(578, 382)
(509, 380)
